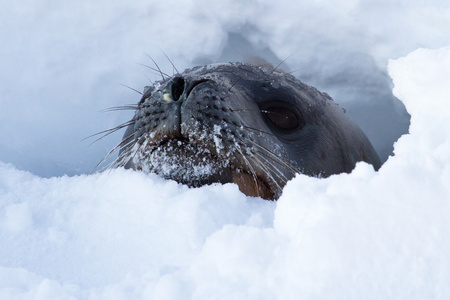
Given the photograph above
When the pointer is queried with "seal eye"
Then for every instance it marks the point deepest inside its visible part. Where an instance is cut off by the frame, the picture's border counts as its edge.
(282, 118)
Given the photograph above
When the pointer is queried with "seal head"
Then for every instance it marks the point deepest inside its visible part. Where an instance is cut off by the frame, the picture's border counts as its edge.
(250, 125)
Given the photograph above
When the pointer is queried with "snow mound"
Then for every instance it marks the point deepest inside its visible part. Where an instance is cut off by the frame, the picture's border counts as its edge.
(126, 235)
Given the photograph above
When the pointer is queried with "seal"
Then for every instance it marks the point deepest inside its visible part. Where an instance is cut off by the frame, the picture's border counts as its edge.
(239, 123)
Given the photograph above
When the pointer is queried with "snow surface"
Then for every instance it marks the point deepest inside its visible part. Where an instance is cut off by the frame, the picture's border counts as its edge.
(126, 235)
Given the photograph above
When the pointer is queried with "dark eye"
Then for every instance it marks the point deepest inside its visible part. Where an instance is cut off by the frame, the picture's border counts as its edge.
(282, 117)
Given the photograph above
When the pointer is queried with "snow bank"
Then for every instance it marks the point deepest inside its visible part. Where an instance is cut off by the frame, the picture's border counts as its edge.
(127, 235)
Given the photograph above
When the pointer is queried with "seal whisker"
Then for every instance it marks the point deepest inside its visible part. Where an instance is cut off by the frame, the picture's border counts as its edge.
(278, 159)
(159, 69)
(258, 130)
(109, 131)
(269, 173)
(231, 87)
(252, 171)
(155, 70)
(282, 62)
(281, 163)
(120, 161)
(296, 70)
(135, 90)
(123, 125)
(280, 175)
(127, 141)
(275, 158)
(116, 163)
(123, 143)
(170, 61)
(118, 108)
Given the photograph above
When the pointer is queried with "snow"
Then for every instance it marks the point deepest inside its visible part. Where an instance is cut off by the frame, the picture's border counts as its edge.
(127, 235)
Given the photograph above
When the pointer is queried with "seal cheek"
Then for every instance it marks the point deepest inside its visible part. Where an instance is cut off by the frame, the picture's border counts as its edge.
(251, 186)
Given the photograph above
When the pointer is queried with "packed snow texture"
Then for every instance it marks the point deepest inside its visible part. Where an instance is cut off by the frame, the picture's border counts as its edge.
(126, 235)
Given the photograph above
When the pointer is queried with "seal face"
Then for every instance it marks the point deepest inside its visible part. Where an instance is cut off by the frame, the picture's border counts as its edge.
(240, 123)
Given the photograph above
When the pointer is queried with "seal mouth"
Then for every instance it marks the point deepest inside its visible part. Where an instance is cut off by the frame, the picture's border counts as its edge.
(191, 162)
(184, 161)
(252, 185)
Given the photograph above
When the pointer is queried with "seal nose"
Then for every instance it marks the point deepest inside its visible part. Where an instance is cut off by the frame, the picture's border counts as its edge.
(177, 88)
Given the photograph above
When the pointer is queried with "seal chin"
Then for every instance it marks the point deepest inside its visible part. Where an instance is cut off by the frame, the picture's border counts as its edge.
(181, 160)
(252, 185)
(195, 164)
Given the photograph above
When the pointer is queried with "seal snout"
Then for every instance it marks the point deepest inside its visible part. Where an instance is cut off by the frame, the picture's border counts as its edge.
(179, 88)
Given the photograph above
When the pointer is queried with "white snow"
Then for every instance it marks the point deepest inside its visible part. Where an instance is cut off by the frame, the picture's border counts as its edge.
(126, 235)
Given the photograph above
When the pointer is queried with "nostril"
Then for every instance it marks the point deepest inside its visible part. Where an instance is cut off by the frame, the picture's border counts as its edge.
(177, 88)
